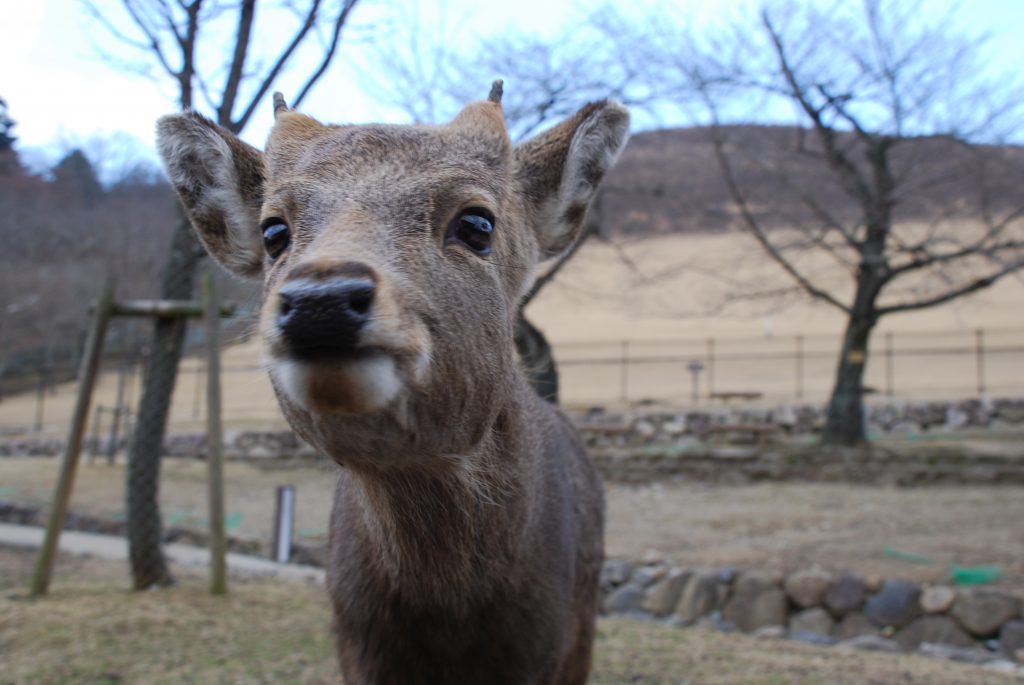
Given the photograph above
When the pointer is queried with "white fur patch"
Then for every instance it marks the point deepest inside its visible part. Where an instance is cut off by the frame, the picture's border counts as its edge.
(371, 383)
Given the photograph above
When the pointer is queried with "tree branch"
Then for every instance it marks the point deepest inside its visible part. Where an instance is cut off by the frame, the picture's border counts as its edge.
(847, 172)
(271, 75)
(973, 286)
(154, 43)
(755, 229)
(339, 23)
(246, 14)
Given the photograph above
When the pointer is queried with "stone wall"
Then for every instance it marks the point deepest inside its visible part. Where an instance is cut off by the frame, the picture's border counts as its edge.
(603, 429)
(816, 606)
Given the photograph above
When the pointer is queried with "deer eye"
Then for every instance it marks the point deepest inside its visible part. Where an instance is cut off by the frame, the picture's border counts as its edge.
(473, 228)
(276, 237)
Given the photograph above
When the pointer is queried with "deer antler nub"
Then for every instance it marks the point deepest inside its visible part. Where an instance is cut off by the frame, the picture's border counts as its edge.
(497, 89)
(280, 105)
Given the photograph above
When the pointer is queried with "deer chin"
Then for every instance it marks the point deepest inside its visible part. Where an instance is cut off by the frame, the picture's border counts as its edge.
(354, 386)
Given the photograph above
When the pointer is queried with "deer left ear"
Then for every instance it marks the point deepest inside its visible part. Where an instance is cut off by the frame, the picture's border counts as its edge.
(560, 169)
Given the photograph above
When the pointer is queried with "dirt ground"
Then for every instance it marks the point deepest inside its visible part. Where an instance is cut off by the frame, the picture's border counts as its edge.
(771, 526)
(91, 630)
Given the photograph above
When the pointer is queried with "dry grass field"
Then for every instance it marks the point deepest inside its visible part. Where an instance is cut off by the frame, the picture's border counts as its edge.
(662, 298)
(91, 630)
(770, 526)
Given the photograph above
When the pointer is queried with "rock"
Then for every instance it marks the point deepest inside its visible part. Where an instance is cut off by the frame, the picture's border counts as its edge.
(906, 428)
(933, 629)
(873, 583)
(956, 418)
(770, 632)
(853, 625)
(663, 596)
(259, 452)
(981, 612)
(870, 643)
(1003, 666)
(845, 596)
(1012, 414)
(700, 595)
(1011, 640)
(811, 638)
(756, 601)
(645, 576)
(625, 599)
(815, 620)
(645, 429)
(675, 427)
(937, 599)
(965, 655)
(897, 604)
(807, 588)
(615, 572)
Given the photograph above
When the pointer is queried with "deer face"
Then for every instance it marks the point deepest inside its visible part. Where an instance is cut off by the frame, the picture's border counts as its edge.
(393, 259)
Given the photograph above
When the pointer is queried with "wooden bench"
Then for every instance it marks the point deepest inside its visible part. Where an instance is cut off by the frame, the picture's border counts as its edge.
(756, 432)
(729, 396)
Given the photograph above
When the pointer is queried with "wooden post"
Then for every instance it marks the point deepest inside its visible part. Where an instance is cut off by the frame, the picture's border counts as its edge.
(214, 433)
(119, 410)
(62, 493)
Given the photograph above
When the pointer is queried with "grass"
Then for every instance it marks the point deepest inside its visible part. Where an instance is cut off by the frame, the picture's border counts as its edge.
(92, 631)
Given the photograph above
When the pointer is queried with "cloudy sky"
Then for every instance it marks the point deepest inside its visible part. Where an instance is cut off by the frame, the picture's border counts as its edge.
(62, 90)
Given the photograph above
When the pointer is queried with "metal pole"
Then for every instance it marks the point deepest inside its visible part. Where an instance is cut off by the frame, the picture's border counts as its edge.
(214, 436)
(979, 353)
(40, 401)
(624, 381)
(711, 367)
(94, 434)
(284, 515)
(888, 364)
(62, 492)
(799, 367)
(196, 396)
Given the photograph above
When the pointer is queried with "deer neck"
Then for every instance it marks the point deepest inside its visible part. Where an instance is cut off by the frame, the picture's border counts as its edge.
(451, 527)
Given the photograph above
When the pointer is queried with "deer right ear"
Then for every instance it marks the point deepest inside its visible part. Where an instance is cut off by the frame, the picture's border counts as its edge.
(219, 179)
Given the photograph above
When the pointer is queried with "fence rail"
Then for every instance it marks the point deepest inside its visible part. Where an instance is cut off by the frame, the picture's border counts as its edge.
(680, 372)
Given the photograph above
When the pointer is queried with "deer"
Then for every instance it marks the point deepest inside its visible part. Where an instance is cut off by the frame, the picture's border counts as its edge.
(466, 534)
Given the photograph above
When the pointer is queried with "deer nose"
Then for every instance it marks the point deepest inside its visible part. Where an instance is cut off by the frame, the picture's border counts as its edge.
(323, 319)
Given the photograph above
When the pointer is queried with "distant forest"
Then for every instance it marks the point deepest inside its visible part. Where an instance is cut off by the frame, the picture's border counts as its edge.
(65, 230)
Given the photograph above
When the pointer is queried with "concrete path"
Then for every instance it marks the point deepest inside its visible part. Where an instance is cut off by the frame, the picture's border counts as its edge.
(116, 549)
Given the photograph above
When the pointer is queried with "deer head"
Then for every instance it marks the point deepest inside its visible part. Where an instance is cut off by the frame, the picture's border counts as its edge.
(393, 260)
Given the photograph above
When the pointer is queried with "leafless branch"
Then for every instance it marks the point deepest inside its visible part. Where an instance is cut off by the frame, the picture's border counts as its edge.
(308, 23)
(325, 62)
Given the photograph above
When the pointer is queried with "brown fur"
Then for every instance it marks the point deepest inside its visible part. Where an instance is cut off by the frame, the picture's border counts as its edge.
(466, 535)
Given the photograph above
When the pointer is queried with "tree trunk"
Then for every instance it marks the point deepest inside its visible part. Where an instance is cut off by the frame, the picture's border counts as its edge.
(845, 422)
(149, 567)
(535, 352)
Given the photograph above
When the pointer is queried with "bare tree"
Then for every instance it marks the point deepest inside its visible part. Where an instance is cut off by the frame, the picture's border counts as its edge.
(895, 174)
(174, 41)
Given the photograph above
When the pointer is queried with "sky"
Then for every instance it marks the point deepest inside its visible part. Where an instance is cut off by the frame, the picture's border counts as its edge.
(63, 92)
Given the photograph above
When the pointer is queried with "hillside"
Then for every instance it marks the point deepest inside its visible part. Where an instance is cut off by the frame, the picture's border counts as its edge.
(669, 181)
